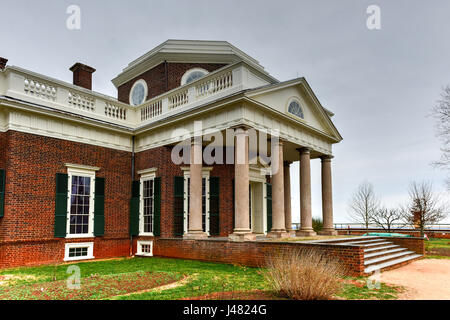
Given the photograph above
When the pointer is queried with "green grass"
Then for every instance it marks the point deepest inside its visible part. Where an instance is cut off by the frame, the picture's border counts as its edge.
(437, 248)
(203, 278)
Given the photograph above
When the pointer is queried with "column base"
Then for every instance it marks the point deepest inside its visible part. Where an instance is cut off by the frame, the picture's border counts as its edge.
(328, 232)
(291, 232)
(195, 235)
(242, 236)
(278, 234)
(305, 233)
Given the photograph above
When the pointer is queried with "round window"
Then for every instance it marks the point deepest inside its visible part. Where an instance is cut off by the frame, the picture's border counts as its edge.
(295, 109)
(138, 93)
(192, 75)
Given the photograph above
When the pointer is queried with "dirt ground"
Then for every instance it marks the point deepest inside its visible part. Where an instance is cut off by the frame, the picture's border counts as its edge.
(426, 279)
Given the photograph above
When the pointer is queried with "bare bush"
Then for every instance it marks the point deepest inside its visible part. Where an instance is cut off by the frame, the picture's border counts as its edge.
(303, 275)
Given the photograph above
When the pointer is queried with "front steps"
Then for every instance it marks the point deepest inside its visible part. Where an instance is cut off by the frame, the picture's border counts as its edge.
(380, 254)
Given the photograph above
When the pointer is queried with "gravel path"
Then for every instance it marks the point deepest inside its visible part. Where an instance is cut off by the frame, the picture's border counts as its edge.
(426, 279)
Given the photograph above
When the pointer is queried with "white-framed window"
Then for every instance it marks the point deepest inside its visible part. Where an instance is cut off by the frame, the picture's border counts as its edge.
(79, 251)
(193, 74)
(147, 202)
(80, 201)
(295, 108)
(145, 248)
(205, 199)
(138, 92)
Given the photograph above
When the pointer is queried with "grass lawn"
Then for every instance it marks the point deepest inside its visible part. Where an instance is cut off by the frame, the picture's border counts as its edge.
(139, 278)
(437, 248)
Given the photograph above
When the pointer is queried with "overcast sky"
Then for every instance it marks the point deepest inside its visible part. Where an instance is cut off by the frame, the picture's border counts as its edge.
(380, 84)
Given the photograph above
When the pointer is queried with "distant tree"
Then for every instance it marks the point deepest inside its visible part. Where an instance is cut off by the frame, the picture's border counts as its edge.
(317, 224)
(363, 204)
(424, 208)
(386, 218)
(441, 112)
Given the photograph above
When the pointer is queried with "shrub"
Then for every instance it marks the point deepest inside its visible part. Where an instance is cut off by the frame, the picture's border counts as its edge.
(303, 275)
(317, 224)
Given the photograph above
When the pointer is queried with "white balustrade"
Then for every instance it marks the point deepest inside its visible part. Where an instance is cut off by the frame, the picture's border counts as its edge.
(39, 89)
(114, 111)
(80, 101)
(152, 110)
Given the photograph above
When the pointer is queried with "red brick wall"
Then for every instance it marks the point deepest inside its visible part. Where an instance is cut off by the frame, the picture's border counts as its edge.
(254, 253)
(31, 163)
(413, 244)
(161, 158)
(156, 78)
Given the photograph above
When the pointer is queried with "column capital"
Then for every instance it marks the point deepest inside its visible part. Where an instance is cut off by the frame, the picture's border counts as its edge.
(304, 150)
(326, 158)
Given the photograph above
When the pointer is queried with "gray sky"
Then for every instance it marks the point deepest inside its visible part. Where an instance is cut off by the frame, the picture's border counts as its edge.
(381, 84)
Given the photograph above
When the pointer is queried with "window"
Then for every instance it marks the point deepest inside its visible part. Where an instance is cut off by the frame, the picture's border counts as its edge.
(148, 205)
(147, 202)
(81, 201)
(79, 251)
(138, 93)
(192, 75)
(295, 109)
(145, 248)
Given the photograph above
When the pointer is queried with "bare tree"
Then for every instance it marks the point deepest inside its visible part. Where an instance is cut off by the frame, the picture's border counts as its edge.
(441, 112)
(363, 204)
(385, 218)
(425, 207)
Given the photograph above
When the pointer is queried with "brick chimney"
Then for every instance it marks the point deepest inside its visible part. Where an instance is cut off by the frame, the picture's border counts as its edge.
(3, 62)
(82, 75)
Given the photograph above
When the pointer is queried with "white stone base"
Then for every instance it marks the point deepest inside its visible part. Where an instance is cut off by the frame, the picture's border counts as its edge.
(194, 235)
(328, 232)
(305, 233)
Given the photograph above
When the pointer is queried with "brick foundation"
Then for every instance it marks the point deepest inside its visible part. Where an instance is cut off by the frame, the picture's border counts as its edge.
(254, 253)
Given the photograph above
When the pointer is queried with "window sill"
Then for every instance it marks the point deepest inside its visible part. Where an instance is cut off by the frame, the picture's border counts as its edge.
(79, 236)
(79, 258)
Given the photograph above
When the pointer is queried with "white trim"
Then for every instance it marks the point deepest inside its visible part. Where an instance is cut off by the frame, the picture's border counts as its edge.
(144, 83)
(139, 249)
(81, 171)
(205, 175)
(81, 167)
(90, 252)
(148, 174)
(188, 73)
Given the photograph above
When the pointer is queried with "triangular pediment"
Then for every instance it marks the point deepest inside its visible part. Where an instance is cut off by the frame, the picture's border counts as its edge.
(280, 96)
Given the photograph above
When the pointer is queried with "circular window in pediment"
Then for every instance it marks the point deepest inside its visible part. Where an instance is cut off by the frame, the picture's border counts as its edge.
(295, 108)
(138, 93)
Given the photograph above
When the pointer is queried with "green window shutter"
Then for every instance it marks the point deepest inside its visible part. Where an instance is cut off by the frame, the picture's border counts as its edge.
(214, 219)
(62, 180)
(178, 208)
(157, 208)
(134, 208)
(99, 207)
(269, 206)
(2, 192)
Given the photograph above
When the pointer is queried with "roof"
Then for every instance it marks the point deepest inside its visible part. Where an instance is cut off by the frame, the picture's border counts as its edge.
(201, 51)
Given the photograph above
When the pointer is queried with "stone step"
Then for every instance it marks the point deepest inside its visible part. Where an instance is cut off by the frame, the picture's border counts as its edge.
(383, 252)
(387, 264)
(387, 258)
(376, 244)
(366, 241)
(381, 248)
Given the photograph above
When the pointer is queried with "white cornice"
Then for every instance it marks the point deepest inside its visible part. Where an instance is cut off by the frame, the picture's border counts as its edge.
(198, 51)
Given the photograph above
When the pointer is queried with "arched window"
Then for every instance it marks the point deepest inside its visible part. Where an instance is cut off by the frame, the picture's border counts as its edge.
(192, 75)
(138, 93)
(295, 109)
